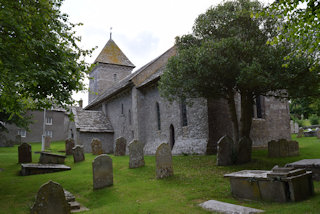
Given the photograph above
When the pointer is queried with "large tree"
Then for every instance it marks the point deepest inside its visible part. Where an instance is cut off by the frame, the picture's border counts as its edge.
(301, 25)
(41, 63)
(228, 54)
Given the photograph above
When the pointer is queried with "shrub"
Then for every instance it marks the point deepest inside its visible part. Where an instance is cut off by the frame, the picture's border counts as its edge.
(314, 119)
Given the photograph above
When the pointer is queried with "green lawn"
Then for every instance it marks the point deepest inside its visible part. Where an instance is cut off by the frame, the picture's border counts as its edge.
(196, 179)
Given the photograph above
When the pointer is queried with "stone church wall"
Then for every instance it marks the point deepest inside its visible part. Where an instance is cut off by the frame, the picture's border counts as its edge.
(190, 139)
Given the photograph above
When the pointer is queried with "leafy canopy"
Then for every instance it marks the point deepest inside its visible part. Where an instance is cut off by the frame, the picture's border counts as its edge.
(41, 63)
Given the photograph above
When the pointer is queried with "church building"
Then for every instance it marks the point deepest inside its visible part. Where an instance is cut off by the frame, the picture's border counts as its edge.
(132, 106)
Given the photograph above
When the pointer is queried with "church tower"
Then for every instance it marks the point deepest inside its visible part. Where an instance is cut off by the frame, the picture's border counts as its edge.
(111, 67)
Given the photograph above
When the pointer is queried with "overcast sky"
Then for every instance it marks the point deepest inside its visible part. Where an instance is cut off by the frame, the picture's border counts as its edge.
(143, 29)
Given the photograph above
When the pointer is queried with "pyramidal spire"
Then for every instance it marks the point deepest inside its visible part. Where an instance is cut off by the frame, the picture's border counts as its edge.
(112, 54)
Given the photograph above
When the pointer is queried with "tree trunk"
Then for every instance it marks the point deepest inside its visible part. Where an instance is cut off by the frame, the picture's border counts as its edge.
(246, 114)
(233, 113)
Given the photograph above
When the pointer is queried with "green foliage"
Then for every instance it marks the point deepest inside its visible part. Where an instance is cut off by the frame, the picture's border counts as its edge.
(314, 119)
(196, 179)
(41, 63)
(301, 26)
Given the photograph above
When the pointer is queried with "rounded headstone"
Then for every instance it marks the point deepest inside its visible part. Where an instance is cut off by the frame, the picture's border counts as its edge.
(102, 172)
(163, 161)
(78, 154)
(120, 147)
(225, 151)
(69, 146)
(24, 153)
(96, 146)
(136, 157)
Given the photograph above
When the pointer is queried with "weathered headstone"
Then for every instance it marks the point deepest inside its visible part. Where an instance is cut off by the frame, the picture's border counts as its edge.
(163, 161)
(120, 148)
(47, 142)
(283, 148)
(244, 151)
(24, 153)
(225, 151)
(50, 158)
(300, 133)
(136, 157)
(78, 153)
(318, 133)
(50, 200)
(102, 172)
(69, 146)
(96, 146)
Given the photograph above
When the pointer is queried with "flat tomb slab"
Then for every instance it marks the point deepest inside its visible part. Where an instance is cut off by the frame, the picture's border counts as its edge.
(50, 158)
(34, 169)
(277, 185)
(308, 164)
(222, 207)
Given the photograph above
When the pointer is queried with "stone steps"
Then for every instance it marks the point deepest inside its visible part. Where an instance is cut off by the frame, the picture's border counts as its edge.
(74, 205)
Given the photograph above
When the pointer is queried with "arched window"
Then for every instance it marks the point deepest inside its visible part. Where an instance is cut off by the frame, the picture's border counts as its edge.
(259, 110)
(114, 77)
(158, 115)
(172, 136)
(184, 119)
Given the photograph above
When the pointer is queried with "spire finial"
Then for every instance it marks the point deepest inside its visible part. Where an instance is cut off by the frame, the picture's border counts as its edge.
(110, 32)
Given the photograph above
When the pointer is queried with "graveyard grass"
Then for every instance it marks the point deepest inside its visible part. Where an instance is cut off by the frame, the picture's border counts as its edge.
(196, 179)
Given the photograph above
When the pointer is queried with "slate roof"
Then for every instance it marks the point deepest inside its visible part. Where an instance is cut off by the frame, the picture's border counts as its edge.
(112, 54)
(91, 121)
(127, 82)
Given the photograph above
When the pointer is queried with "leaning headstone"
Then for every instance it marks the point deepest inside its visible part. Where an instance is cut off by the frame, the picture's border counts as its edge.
(96, 146)
(120, 149)
(50, 200)
(47, 141)
(69, 146)
(300, 133)
(318, 133)
(163, 161)
(102, 172)
(136, 158)
(78, 153)
(225, 151)
(245, 150)
(24, 153)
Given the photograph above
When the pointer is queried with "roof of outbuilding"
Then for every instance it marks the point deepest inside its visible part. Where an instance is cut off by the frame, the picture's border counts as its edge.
(91, 121)
(112, 54)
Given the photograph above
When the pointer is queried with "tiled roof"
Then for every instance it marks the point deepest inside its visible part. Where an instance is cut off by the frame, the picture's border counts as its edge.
(111, 54)
(92, 121)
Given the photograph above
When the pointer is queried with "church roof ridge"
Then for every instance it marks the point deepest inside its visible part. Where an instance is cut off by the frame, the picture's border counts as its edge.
(112, 54)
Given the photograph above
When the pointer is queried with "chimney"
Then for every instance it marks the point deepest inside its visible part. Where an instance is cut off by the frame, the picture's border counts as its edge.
(80, 103)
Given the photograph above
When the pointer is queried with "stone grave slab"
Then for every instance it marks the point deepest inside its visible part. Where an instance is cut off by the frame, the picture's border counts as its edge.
(96, 146)
(244, 151)
(50, 158)
(164, 161)
(50, 199)
(34, 169)
(283, 148)
(277, 185)
(24, 153)
(222, 207)
(120, 148)
(78, 154)
(47, 142)
(102, 172)
(69, 146)
(136, 156)
(224, 151)
(308, 164)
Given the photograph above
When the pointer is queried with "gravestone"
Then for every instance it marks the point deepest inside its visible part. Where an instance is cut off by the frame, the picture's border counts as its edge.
(50, 158)
(245, 149)
(163, 161)
(136, 158)
(225, 151)
(283, 148)
(102, 172)
(47, 141)
(50, 199)
(78, 153)
(318, 133)
(24, 153)
(69, 146)
(300, 133)
(96, 146)
(120, 149)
